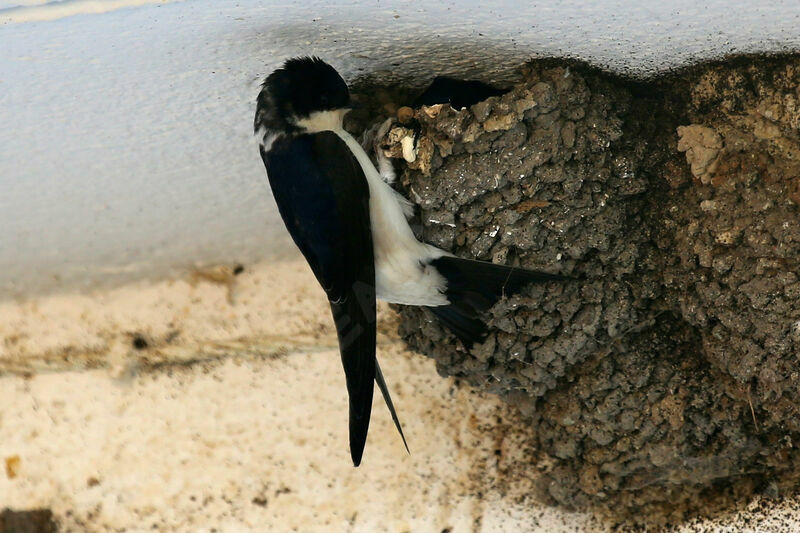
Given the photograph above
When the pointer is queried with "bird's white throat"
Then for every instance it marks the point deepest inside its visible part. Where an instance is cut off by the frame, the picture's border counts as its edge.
(317, 121)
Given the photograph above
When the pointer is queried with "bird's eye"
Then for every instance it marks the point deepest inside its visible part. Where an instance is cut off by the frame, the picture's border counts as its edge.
(323, 100)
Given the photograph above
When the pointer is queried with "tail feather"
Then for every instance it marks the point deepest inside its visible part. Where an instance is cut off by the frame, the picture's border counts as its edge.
(388, 399)
(475, 286)
(463, 321)
(355, 327)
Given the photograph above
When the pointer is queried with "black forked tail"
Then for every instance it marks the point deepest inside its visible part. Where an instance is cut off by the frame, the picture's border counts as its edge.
(356, 331)
(388, 399)
(475, 286)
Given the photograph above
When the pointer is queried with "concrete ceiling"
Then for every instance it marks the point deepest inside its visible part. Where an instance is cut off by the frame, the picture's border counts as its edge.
(126, 146)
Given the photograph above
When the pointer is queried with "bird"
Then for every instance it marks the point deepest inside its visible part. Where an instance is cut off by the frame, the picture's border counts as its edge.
(352, 228)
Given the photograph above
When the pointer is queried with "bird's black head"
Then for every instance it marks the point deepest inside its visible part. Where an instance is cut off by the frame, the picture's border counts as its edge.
(302, 86)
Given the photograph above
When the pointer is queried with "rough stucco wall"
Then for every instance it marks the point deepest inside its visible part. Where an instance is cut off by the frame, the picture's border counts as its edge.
(126, 145)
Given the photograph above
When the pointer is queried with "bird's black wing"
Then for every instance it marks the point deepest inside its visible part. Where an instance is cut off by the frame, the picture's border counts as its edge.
(323, 197)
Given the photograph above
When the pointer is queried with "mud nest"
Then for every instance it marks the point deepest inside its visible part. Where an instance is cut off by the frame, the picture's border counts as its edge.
(666, 367)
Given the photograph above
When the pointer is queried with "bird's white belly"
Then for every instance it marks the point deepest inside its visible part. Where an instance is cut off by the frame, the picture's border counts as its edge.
(402, 272)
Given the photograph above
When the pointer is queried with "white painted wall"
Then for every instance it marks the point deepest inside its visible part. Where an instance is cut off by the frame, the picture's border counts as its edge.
(125, 128)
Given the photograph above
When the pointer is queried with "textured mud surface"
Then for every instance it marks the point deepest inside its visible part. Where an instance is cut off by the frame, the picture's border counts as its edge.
(666, 369)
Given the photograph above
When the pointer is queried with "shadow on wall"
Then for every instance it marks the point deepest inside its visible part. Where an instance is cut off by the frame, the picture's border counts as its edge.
(410, 64)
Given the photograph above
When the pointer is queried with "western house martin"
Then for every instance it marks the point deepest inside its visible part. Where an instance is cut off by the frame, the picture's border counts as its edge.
(352, 228)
